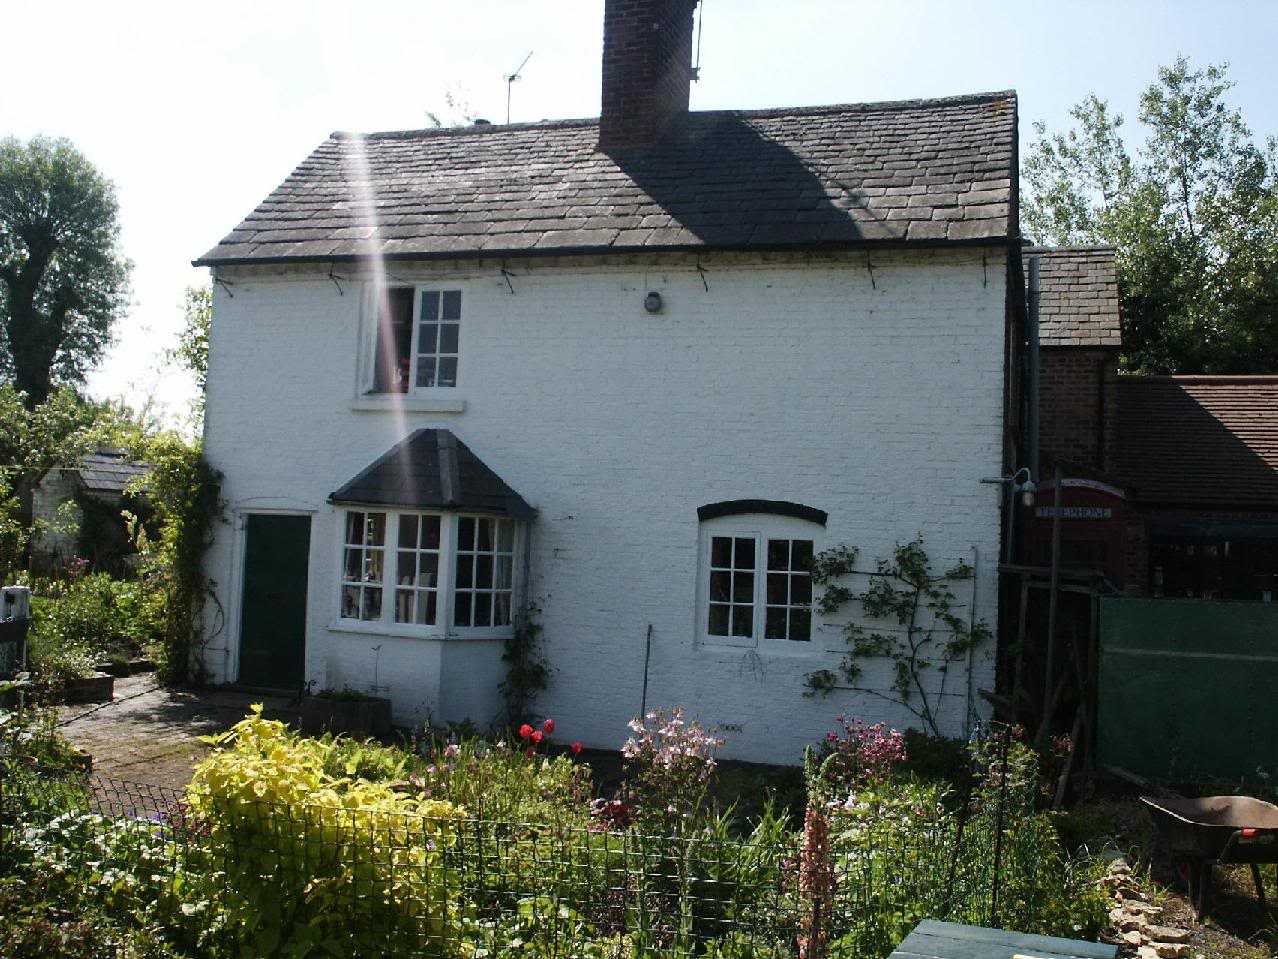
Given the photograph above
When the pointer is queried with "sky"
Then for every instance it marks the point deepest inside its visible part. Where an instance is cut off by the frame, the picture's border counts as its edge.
(197, 111)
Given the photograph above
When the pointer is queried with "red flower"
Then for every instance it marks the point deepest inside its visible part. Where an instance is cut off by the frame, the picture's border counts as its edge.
(525, 731)
(549, 726)
(576, 747)
(536, 735)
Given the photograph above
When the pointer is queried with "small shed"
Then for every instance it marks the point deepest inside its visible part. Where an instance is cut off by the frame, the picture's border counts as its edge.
(77, 511)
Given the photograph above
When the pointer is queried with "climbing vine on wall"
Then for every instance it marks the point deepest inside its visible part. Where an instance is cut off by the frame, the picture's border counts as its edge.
(930, 635)
(187, 498)
(527, 672)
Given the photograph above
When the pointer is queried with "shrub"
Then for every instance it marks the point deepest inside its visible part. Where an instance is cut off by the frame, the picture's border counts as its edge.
(318, 863)
(668, 766)
(514, 781)
(78, 623)
(858, 754)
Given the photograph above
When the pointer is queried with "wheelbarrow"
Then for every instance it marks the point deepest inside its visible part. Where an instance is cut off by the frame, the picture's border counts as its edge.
(1224, 829)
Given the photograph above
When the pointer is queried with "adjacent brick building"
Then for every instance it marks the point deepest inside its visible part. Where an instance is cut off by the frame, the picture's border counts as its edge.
(1176, 477)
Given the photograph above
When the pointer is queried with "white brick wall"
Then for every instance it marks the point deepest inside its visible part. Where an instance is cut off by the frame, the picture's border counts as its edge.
(57, 518)
(878, 402)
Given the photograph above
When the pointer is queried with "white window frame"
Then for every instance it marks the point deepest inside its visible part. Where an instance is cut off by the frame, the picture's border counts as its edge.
(372, 303)
(761, 527)
(444, 627)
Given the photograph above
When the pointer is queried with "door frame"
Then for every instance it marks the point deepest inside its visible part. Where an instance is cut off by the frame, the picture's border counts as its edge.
(235, 593)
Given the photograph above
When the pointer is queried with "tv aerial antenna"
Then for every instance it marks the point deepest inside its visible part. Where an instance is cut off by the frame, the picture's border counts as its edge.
(510, 82)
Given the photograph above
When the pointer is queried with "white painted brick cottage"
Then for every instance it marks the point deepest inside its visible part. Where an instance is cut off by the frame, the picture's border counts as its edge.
(635, 370)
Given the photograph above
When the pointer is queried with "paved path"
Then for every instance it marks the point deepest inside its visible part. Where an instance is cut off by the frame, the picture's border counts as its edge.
(152, 735)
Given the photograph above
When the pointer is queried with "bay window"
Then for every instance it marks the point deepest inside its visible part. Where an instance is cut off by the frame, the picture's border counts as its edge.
(427, 572)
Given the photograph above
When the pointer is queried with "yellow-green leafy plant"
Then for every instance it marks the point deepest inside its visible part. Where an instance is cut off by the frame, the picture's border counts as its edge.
(314, 863)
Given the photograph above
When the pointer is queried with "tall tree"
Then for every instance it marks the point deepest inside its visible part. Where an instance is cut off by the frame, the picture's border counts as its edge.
(192, 351)
(63, 280)
(1194, 216)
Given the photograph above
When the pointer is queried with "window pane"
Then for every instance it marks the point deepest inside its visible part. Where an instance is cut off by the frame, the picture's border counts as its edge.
(404, 605)
(408, 528)
(744, 558)
(372, 608)
(430, 305)
(719, 619)
(802, 556)
(721, 552)
(373, 567)
(505, 536)
(428, 602)
(504, 570)
(466, 533)
(452, 304)
(428, 565)
(447, 371)
(743, 587)
(774, 625)
(501, 609)
(425, 371)
(427, 337)
(484, 572)
(777, 592)
(801, 624)
(407, 569)
(375, 530)
(430, 532)
(483, 609)
(484, 534)
(743, 621)
(354, 527)
(461, 609)
(350, 602)
(778, 554)
(448, 337)
(354, 565)
(720, 584)
(465, 572)
(800, 590)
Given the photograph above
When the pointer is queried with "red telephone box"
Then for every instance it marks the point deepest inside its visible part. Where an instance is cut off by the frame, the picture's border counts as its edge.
(1093, 527)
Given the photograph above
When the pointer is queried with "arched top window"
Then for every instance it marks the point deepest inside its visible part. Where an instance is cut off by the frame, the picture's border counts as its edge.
(755, 583)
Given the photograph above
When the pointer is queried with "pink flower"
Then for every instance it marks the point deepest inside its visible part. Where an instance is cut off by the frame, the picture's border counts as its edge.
(536, 735)
(525, 731)
(576, 748)
(548, 726)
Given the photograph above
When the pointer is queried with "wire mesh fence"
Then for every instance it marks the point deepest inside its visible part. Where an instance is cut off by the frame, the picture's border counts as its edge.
(268, 878)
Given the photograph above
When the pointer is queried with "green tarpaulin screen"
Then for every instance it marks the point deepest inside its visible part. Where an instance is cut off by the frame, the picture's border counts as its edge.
(1188, 687)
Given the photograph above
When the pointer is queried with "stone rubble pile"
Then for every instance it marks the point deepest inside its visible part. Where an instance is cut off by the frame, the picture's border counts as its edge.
(1135, 919)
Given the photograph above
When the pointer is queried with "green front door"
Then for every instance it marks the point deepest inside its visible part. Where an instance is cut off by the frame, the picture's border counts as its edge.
(273, 611)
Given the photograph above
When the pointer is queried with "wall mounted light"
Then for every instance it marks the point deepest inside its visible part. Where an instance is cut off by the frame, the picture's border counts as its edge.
(1028, 489)
(652, 302)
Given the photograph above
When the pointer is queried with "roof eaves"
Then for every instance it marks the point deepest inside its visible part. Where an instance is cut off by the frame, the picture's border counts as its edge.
(500, 253)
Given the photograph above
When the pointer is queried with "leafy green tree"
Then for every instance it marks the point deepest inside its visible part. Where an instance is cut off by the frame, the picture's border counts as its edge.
(192, 351)
(1193, 215)
(63, 280)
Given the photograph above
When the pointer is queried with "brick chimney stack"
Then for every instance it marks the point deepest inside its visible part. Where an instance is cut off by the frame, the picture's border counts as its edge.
(647, 69)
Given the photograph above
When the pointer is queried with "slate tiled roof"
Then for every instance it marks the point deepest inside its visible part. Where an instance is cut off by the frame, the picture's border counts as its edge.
(1079, 301)
(109, 471)
(922, 171)
(432, 469)
(1200, 440)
